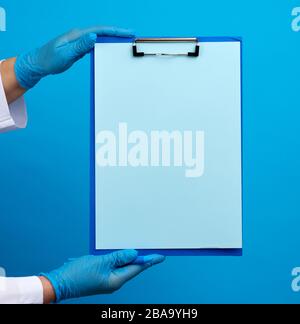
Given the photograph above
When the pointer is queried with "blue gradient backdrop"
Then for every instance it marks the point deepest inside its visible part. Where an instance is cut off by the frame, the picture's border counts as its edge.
(44, 170)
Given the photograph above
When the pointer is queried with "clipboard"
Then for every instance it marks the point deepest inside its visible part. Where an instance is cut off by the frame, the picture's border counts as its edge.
(138, 51)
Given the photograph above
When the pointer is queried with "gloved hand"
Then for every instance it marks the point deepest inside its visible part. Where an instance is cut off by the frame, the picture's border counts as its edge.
(92, 275)
(60, 54)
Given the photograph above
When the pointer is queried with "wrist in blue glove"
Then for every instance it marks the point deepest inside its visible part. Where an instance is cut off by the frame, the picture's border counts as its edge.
(60, 54)
(93, 275)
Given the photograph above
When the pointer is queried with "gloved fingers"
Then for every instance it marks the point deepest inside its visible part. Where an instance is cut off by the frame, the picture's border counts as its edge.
(124, 274)
(121, 275)
(83, 45)
(109, 31)
(122, 258)
(72, 259)
(153, 259)
(75, 34)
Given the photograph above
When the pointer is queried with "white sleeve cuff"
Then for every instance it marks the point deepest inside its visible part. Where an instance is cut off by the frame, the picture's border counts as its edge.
(11, 116)
(27, 290)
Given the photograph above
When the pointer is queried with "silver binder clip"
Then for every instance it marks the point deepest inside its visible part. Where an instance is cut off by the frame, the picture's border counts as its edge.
(136, 53)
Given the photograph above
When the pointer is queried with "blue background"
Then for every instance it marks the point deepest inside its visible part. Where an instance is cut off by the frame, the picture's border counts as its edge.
(44, 170)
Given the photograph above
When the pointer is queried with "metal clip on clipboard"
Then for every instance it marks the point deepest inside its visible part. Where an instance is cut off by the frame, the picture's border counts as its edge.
(136, 53)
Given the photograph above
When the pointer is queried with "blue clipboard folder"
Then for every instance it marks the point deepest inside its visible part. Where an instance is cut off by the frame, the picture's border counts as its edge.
(166, 145)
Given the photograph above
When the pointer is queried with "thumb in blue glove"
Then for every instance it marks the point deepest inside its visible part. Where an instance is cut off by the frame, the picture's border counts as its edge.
(93, 275)
(60, 54)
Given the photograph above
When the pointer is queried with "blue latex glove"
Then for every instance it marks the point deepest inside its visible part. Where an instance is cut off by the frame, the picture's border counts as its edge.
(60, 54)
(93, 275)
